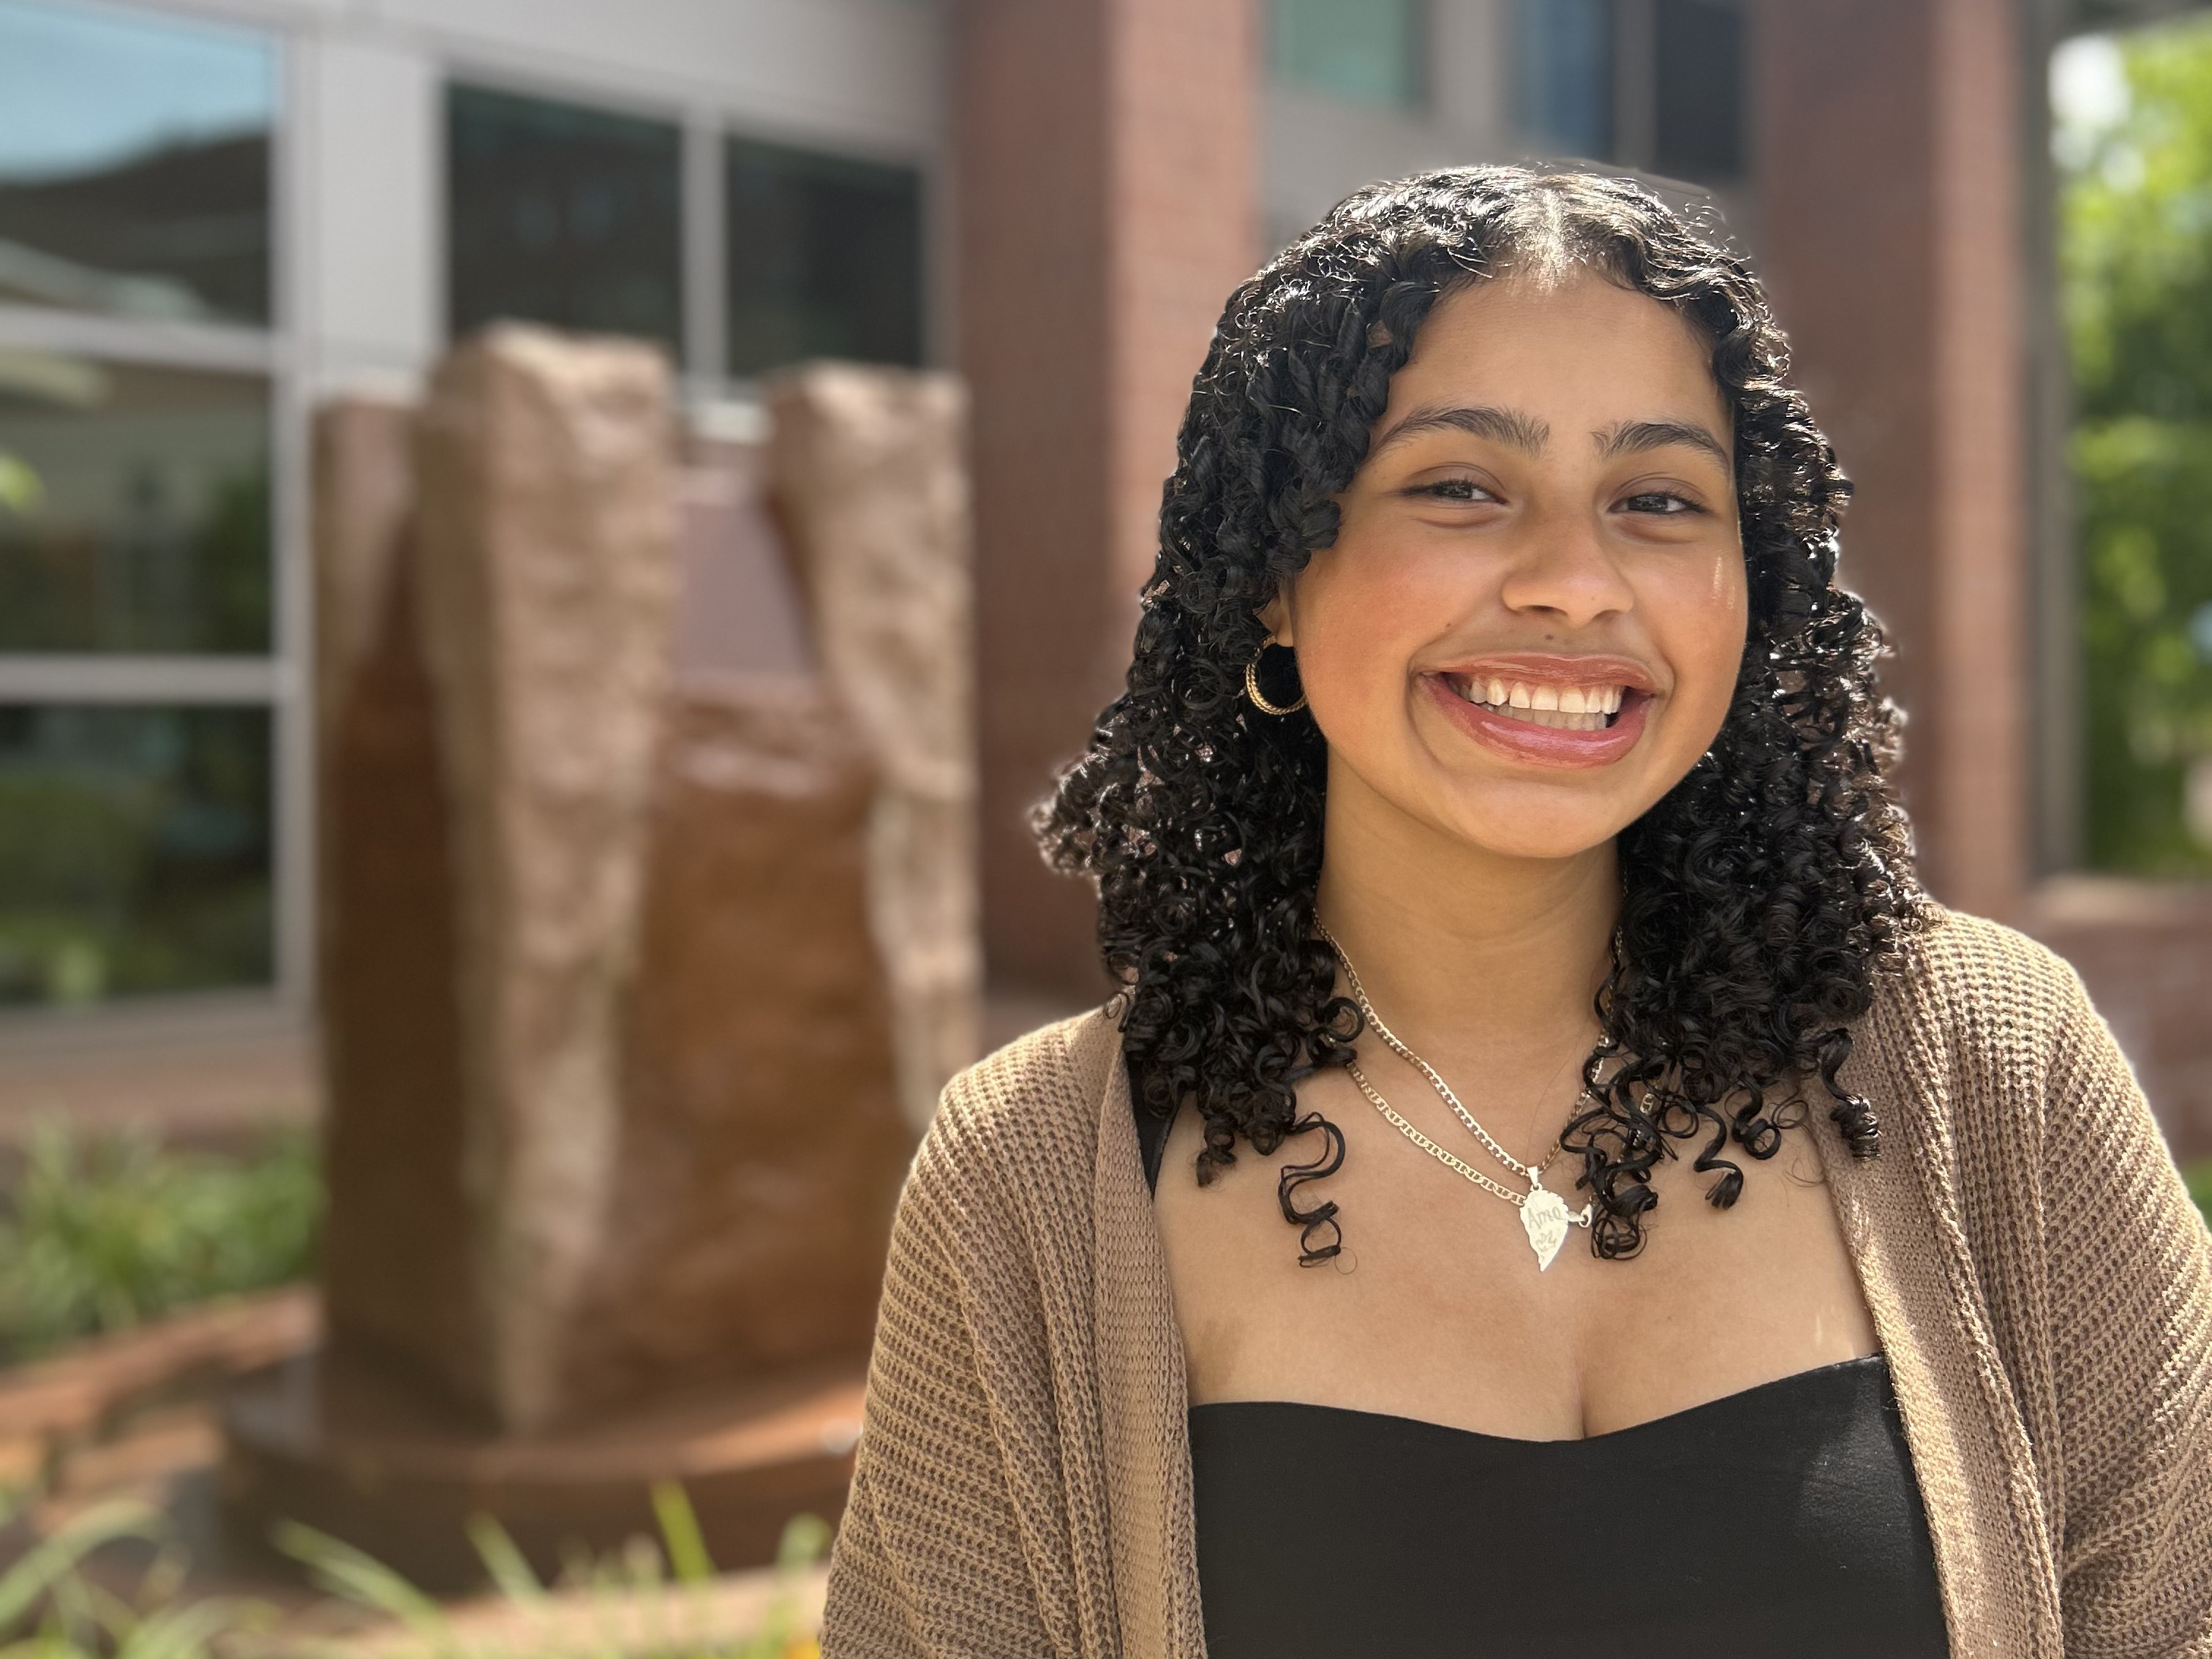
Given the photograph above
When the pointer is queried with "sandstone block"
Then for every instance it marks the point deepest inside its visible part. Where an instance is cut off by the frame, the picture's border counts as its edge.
(398, 1231)
(544, 565)
(870, 485)
(364, 490)
(763, 1145)
(738, 608)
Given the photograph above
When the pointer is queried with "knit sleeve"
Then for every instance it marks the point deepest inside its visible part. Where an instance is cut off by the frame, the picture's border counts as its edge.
(929, 1562)
(2131, 1299)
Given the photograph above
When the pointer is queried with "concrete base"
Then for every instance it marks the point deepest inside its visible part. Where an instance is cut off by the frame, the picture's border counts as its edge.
(369, 1462)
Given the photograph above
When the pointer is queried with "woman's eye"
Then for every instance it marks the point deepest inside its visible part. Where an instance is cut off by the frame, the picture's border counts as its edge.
(1663, 502)
(1457, 490)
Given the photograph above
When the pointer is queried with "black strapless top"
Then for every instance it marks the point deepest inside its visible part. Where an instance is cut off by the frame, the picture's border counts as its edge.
(1782, 1520)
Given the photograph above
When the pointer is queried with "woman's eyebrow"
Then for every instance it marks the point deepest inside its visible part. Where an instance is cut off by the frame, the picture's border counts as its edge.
(1504, 426)
(1631, 437)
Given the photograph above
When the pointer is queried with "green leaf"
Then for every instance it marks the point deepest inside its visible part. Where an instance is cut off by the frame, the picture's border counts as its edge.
(509, 1571)
(358, 1577)
(679, 1530)
(48, 1565)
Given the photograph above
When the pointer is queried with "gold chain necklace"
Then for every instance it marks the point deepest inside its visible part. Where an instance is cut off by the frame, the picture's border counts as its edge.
(1544, 1214)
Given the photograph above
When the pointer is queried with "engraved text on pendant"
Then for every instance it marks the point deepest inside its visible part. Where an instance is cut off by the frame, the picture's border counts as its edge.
(1544, 1218)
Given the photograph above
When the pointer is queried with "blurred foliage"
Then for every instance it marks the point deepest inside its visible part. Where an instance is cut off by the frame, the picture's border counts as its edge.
(654, 1574)
(2200, 1185)
(104, 1231)
(134, 851)
(50, 1608)
(2136, 264)
(22, 489)
(176, 568)
(70, 852)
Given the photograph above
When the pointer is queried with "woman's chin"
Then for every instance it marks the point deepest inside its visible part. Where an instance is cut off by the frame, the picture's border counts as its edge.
(1521, 824)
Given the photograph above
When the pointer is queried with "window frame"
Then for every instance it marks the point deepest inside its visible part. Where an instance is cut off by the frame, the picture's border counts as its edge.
(277, 680)
(1635, 101)
(1419, 103)
(704, 383)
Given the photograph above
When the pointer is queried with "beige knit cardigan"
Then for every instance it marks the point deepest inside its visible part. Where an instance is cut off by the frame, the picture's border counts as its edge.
(2037, 1276)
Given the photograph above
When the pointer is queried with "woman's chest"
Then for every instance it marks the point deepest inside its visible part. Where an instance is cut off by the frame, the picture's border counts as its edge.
(1438, 1309)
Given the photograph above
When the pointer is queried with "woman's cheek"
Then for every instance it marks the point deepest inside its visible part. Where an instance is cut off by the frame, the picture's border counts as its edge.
(1711, 617)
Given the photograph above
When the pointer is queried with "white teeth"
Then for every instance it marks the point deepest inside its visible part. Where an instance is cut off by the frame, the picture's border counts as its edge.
(1566, 708)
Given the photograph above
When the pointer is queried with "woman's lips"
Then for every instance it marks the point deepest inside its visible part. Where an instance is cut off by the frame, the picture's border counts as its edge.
(1543, 745)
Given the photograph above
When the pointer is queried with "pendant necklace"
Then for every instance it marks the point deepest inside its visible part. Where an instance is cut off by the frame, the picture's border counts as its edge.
(1544, 1214)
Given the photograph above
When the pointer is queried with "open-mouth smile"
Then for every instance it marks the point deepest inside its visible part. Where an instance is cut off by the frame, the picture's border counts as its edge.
(1560, 713)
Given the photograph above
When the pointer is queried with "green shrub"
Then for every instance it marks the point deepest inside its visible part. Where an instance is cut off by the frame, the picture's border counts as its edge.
(654, 1574)
(104, 1231)
(2200, 1185)
(50, 1608)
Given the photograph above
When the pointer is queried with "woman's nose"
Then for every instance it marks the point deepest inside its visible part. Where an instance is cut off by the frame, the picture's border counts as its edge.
(1564, 569)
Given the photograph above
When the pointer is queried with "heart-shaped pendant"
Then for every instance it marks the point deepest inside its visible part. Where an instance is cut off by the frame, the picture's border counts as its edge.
(1544, 1219)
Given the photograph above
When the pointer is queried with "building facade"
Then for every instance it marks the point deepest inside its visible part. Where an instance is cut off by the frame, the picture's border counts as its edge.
(216, 213)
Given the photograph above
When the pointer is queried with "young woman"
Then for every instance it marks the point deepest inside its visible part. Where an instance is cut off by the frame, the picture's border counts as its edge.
(1600, 1199)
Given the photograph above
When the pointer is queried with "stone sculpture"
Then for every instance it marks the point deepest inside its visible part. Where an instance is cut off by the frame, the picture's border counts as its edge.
(614, 1124)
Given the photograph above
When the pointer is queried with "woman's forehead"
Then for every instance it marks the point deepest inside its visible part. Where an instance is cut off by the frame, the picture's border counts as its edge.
(1578, 355)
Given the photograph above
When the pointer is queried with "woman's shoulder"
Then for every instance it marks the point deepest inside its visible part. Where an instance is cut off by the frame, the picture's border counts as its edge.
(1999, 1015)
(1031, 1106)
(1979, 978)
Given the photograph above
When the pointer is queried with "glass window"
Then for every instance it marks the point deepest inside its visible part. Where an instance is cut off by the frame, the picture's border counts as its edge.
(134, 163)
(1366, 51)
(560, 214)
(1699, 90)
(824, 257)
(134, 508)
(1563, 74)
(135, 851)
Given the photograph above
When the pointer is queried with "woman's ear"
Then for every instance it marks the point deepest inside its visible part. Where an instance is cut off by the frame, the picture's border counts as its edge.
(1275, 617)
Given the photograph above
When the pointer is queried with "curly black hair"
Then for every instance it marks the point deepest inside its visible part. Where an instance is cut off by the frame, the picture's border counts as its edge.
(1762, 895)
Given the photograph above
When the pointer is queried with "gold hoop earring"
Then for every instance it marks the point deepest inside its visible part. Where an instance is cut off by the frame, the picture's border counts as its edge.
(1259, 698)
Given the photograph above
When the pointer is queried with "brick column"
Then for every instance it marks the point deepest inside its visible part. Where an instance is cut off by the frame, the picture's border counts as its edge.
(1889, 137)
(1108, 189)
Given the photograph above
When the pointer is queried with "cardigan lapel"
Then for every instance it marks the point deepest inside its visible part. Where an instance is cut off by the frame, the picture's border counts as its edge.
(1143, 1386)
(1901, 1217)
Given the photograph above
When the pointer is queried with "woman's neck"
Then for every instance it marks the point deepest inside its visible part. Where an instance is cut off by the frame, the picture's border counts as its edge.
(1481, 957)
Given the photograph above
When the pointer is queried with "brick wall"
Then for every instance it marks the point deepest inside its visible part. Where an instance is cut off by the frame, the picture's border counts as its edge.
(2144, 948)
(1893, 243)
(1108, 189)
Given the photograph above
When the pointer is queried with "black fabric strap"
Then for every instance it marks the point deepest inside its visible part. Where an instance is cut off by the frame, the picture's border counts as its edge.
(1151, 1142)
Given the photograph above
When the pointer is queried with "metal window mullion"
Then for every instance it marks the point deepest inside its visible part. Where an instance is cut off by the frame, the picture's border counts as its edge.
(207, 346)
(291, 808)
(705, 357)
(1635, 84)
(61, 677)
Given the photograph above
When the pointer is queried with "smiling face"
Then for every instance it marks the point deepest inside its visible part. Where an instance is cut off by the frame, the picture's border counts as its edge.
(1529, 626)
